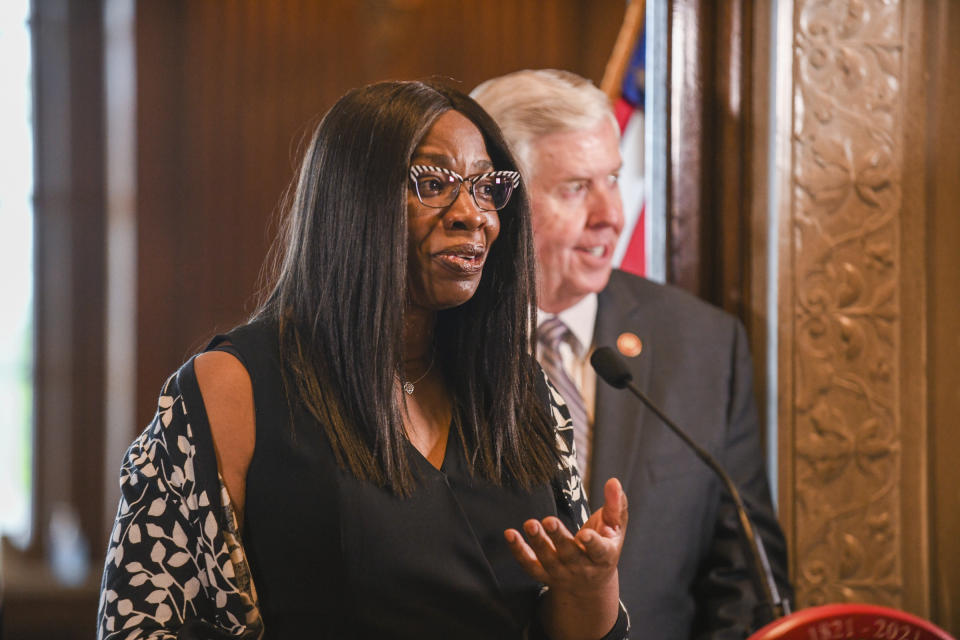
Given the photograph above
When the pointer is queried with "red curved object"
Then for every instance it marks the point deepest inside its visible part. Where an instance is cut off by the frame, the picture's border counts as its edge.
(851, 622)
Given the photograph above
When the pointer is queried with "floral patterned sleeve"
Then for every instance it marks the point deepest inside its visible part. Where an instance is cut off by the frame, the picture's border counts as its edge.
(174, 565)
(572, 506)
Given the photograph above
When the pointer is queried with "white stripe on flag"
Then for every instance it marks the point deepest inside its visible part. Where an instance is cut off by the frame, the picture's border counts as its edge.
(631, 180)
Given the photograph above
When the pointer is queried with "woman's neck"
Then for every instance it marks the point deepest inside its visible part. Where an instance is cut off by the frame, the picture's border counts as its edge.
(426, 402)
(418, 328)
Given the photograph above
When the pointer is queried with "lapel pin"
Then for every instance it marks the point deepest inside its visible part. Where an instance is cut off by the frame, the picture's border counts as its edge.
(629, 344)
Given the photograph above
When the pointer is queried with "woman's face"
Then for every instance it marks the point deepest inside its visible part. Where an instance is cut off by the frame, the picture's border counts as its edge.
(447, 247)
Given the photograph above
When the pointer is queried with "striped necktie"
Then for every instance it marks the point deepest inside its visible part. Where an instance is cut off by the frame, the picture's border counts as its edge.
(551, 335)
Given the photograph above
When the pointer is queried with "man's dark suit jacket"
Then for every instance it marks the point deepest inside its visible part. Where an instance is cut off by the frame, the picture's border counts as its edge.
(683, 570)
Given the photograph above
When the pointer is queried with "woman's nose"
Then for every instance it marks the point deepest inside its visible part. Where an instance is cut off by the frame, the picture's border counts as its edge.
(464, 213)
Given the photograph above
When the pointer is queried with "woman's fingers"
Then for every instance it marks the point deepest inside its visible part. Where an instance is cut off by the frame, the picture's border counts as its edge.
(552, 545)
(539, 540)
(615, 504)
(524, 555)
(567, 548)
(549, 553)
(599, 549)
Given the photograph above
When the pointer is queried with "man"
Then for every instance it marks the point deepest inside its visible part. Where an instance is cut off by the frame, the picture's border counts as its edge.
(683, 571)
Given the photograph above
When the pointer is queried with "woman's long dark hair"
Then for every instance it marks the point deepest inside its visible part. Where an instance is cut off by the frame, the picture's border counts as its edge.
(341, 289)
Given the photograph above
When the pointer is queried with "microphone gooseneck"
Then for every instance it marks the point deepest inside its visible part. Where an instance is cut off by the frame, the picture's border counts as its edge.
(614, 372)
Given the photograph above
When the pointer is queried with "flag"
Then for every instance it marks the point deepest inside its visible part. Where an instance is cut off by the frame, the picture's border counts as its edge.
(630, 254)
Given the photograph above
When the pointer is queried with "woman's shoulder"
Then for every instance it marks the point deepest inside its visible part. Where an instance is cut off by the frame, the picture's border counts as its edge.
(253, 343)
(224, 373)
(227, 373)
(220, 373)
(227, 394)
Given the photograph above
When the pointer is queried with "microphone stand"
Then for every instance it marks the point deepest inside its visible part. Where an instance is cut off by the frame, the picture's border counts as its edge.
(611, 368)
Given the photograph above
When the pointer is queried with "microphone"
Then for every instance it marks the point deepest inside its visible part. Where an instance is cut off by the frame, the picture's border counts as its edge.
(613, 370)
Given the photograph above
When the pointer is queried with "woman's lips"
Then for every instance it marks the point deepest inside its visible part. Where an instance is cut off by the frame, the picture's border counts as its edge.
(464, 259)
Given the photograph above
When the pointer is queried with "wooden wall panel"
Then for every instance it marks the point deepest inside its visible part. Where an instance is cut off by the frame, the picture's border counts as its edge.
(865, 169)
(711, 142)
(868, 275)
(842, 306)
(943, 264)
(690, 140)
(227, 90)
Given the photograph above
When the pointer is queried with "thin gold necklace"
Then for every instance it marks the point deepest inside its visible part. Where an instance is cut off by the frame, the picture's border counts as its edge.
(410, 386)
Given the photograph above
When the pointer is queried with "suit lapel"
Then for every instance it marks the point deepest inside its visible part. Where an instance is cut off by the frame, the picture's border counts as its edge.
(619, 419)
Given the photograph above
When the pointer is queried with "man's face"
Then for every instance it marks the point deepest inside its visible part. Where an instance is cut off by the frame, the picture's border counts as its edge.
(577, 212)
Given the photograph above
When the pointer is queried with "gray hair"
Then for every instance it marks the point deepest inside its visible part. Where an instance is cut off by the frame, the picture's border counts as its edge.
(533, 103)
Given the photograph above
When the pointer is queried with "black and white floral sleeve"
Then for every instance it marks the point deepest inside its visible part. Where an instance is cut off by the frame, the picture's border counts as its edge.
(572, 505)
(175, 567)
(568, 484)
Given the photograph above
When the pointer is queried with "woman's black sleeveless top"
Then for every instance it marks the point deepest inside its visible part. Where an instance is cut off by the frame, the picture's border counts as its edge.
(335, 557)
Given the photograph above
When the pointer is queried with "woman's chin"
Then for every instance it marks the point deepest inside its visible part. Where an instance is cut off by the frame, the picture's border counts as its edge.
(448, 297)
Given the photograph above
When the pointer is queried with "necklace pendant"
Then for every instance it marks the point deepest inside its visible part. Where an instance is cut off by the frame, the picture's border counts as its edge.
(408, 388)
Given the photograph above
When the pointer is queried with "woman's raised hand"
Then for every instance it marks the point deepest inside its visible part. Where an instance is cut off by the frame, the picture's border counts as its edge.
(581, 569)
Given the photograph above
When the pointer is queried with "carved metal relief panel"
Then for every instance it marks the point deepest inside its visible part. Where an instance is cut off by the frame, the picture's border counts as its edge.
(847, 163)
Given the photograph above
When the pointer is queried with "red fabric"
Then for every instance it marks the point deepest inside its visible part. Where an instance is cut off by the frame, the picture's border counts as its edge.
(622, 110)
(635, 258)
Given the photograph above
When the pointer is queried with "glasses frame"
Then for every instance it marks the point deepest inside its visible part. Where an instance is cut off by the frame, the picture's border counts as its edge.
(417, 169)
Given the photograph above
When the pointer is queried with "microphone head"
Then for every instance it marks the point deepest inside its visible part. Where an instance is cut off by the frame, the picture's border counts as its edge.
(611, 367)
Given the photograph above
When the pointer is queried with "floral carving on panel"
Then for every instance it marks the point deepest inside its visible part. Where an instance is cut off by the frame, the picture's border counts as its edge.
(847, 145)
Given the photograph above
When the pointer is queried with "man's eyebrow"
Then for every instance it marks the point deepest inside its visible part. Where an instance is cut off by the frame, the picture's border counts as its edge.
(588, 178)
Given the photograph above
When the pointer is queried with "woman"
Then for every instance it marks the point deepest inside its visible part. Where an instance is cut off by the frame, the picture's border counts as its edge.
(378, 428)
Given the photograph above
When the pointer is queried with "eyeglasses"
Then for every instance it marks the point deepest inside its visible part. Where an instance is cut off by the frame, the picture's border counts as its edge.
(438, 187)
